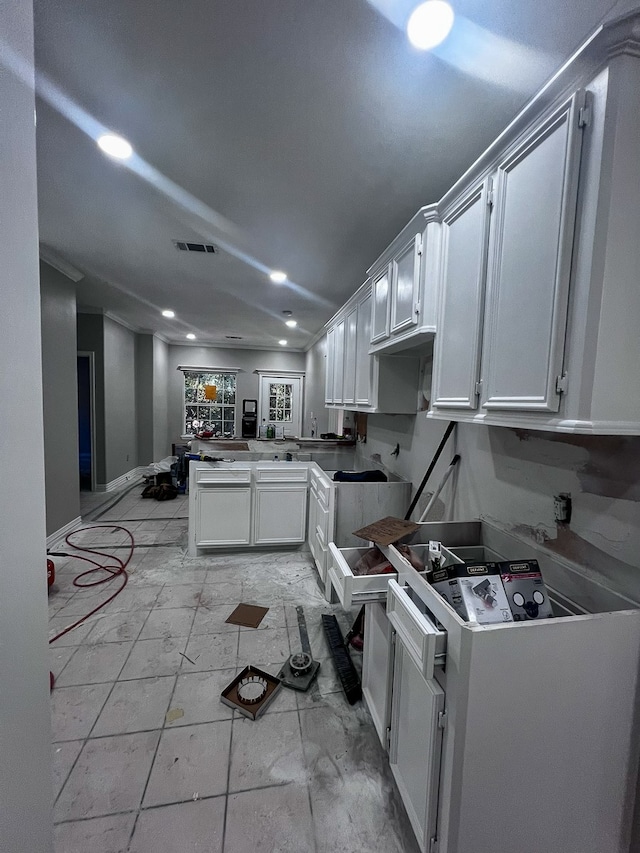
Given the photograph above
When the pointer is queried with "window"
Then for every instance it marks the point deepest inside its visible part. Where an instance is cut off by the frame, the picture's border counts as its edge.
(280, 402)
(210, 403)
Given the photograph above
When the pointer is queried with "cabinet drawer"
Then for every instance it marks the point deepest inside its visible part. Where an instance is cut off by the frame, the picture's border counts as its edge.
(354, 589)
(420, 637)
(321, 487)
(223, 475)
(285, 474)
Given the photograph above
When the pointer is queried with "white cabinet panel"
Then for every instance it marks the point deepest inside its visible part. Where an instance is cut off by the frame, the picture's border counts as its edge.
(338, 362)
(280, 514)
(350, 344)
(377, 668)
(364, 362)
(529, 265)
(381, 294)
(416, 743)
(457, 352)
(328, 383)
(405, 285)
(223, 516)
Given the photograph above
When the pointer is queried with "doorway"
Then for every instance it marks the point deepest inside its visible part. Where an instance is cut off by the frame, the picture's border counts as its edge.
(86, 421)
(281, 401)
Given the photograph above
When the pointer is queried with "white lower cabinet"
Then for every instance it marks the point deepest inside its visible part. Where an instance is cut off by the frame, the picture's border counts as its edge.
(377, 668)
(280, 514)
(223, 516)
(416, 743)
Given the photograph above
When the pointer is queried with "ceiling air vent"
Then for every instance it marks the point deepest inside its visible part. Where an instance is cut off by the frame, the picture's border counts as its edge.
(233, 337)
(195, 247)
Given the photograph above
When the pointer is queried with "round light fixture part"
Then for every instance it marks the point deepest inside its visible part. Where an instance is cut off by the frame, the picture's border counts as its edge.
(191, 336)
(429, 24)
(282, 343)
(291, 323)
(168, 313)
(278, 277)
(115, 146)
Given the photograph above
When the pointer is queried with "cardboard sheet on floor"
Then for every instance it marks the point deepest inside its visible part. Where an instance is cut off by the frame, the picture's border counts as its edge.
(248, 615)
(386, 530)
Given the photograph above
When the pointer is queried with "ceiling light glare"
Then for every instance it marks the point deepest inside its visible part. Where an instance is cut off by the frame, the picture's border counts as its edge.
(191, 336)
(168, 313)
(282, 343)
(430, 24)
(278, 277)
(291, 324)
(115, 146)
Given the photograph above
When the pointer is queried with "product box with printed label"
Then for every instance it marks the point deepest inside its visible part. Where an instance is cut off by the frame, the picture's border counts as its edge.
(475, 591)
(526, 593)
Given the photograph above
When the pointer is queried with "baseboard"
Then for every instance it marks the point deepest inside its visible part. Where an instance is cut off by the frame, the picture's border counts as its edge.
(63, 531)
(122, 480)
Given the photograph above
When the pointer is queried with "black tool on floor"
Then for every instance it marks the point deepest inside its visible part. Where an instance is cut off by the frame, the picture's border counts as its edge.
(299, 671)
(342, 662)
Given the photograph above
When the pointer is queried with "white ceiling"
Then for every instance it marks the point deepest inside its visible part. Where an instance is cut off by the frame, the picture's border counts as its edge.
(296, 134)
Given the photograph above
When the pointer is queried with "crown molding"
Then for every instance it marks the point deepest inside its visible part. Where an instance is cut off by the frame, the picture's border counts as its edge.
(54, 260)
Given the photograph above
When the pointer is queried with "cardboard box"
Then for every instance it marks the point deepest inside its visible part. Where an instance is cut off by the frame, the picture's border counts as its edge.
(475, 591)
(526, 593)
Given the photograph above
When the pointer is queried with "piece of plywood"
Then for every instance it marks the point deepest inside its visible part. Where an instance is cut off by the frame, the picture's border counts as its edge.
(248, 615)
(386, 530)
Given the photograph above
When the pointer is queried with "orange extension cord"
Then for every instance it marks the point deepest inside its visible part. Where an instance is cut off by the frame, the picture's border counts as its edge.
(118, 570)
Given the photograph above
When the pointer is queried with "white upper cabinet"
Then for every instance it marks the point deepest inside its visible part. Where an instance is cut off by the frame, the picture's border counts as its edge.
(457, 350)
(330, 350)
(350, 356)
(405, 283)
(530, 265)
(364, 361)
(381, 297)
(338, 362)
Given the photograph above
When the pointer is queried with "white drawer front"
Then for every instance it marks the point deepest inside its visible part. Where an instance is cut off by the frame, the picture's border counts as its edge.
(354, 589)
(223, 475)
(321, 485)
(285, 474)
(418, 634)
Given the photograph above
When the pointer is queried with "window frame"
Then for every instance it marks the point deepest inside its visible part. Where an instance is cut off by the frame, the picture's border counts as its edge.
(222, 375)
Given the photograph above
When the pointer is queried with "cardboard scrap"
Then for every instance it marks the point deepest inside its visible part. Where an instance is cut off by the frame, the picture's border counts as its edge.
(387, 530)
(247, 615)
(174, 714)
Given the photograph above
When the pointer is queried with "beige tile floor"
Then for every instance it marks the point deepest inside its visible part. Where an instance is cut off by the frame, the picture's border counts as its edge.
(309, 775)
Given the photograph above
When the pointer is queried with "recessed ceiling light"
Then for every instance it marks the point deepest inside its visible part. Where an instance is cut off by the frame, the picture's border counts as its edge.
(168, 313)
(278, 277)
(191, 336)
(291, 324)
(430, 24)
(115, 146)
(282, 343)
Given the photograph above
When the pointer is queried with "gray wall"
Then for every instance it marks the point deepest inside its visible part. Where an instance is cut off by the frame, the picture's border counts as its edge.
(144, 397)
(121, 439)
(316, 359)
(91, 339)
(60, 397)
(161, 445)
(25, 768)
(247, 381)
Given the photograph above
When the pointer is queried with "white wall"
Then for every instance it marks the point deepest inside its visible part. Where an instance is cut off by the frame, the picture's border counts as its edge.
(161, 445)
(25, 770)
(316, 359)
(121, 440)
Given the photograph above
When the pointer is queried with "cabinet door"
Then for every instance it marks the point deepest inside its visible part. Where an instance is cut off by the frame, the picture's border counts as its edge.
(364, 361)
(350, 343)
(405, 285)
(280, 514)
(456, 363)
(377, 667)
(223, 516)
(328, 387)
(381, 292)
(530, 264)
(416, 744)
(338, 362)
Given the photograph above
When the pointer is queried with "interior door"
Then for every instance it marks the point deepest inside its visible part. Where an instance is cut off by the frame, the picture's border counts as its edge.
(530, 265)
(281, 402)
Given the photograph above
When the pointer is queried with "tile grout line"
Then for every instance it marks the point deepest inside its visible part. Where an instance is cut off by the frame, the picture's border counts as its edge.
(162, 730)
(88, 737)
(233, 718)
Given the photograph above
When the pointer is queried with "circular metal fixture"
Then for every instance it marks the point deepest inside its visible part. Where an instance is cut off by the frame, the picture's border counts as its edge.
(300, 663)
(252, 689)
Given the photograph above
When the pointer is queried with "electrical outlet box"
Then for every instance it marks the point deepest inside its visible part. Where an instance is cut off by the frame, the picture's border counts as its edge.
(562, 507)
